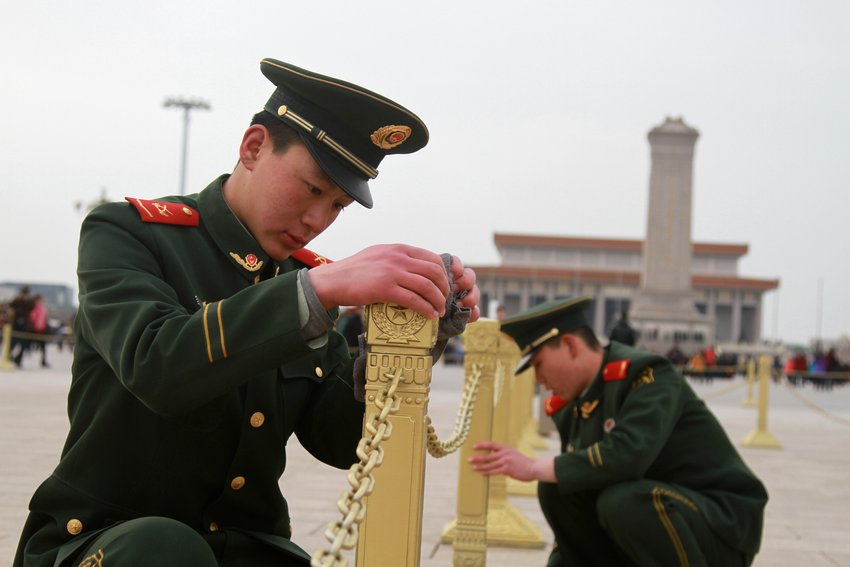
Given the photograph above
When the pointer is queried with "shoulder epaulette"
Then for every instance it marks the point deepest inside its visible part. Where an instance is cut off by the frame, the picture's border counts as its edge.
(553, 403)
(310, 258)
(165, 213)
(617, 370)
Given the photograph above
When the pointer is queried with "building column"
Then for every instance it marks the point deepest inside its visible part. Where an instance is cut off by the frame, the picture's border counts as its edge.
(711, 311)
(736, 315)
(599, 311)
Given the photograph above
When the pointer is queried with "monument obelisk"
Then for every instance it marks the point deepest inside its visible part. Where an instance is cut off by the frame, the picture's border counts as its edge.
(663, 309)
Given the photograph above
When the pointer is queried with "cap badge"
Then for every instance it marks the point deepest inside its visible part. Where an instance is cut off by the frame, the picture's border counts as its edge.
(609, 425)
(388, 137)
(250, 263)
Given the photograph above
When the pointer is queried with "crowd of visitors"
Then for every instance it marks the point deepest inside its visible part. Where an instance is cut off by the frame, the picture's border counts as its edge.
(27, 313)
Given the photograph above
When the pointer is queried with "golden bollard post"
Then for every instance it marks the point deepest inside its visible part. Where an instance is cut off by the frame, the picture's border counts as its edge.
(761, 437)
(468, 531)
(751, 378)
(506, 524)
(398, 339)
(5, 362)
(523, 432)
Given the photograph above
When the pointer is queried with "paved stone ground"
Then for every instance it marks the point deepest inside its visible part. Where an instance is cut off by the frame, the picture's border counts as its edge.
(807, 517)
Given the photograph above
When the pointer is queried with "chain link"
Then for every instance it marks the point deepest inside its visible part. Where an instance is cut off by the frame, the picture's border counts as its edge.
(342, 534)
(439, 449)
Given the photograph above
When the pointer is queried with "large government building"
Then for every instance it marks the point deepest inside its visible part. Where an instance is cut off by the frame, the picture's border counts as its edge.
(677, 291)
(535, 269)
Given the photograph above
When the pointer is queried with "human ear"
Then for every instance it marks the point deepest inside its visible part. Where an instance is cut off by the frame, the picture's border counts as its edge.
(252, 141)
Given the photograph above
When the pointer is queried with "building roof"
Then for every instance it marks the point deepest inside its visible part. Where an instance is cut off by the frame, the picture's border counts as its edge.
(633, 245)
(612, 276)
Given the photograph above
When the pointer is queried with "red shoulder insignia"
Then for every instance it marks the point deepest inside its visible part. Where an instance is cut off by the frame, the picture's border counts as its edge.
(310, 258)
(616, 370)
(553, 404)
(165, 213)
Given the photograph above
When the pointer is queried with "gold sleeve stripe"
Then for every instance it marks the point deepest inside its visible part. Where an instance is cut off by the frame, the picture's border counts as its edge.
(207, 333)
(668, 525)
(598, 454)
(590, 457)
(221, 329)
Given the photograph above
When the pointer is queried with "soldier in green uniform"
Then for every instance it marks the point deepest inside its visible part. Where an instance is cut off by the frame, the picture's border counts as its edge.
(203, 341)
(646, 474)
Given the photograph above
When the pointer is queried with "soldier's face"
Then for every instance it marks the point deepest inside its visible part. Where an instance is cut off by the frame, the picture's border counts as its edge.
(555, 367)
(291, 200)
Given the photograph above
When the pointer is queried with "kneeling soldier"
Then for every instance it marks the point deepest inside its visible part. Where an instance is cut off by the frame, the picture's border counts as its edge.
(646, 474)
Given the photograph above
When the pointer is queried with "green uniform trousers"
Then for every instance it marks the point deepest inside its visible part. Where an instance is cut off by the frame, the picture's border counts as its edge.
(641, 523)
(156, 541)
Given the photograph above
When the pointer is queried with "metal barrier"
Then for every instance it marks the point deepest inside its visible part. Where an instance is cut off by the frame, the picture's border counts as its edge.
(506, 525)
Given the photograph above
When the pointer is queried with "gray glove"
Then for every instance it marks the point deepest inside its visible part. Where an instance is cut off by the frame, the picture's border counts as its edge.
(451, 325)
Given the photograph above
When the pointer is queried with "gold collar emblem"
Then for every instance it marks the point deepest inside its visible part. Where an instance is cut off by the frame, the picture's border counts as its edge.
(587, 408)
(250, 262)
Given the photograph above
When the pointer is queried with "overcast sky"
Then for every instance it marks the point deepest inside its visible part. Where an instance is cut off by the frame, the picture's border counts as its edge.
(538, 113)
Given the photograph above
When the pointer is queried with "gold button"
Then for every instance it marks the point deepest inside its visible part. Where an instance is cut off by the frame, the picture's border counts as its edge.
(213, 527)
(187, 211)
(237, 483)
(257, 419)
(74, 526)
(319, 372)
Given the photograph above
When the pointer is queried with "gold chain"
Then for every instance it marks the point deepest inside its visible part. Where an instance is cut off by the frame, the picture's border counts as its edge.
(437, 448)
(343, 533)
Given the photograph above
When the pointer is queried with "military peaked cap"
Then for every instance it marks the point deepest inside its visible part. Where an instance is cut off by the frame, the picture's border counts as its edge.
(347, 129)
(531, 329)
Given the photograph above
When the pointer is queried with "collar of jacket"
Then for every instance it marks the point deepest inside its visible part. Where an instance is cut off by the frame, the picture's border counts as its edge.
(231, 236)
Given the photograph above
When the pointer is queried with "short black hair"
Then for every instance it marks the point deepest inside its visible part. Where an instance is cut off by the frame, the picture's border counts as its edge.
(585, 333)
(588, 336)
(283, 136)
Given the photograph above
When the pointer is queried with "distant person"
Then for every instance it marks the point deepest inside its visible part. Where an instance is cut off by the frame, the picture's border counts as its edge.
(623, 332)
(646, 474)
(833, 364)
(21, 304)
(501, 314)
(38, 323)
(351, 327)
(710, 356)
(676, 356)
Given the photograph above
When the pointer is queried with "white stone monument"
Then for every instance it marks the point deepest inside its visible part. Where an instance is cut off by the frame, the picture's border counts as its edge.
(663, 310)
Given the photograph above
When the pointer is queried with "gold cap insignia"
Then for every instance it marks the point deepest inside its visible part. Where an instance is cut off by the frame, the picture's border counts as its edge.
(388, 137)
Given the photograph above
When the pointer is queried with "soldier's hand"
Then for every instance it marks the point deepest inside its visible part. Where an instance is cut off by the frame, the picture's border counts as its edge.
(504, 460)
(465, 289)
(387, 273)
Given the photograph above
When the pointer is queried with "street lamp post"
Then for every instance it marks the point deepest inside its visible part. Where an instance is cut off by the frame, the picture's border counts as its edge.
(187, 105)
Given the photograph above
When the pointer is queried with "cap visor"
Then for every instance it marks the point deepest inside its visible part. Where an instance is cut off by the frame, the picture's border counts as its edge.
(354, 186)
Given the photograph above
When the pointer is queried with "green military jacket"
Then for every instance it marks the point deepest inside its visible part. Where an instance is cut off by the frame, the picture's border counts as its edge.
(189, 376)
(639, 419)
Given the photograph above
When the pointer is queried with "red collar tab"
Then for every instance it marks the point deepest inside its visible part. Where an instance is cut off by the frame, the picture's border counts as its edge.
(310, 258)
(165, 213)
(553, 404)
(616, 370)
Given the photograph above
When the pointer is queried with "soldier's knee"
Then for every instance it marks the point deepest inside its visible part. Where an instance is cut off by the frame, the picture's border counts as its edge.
(152, 541)
(622, 507)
